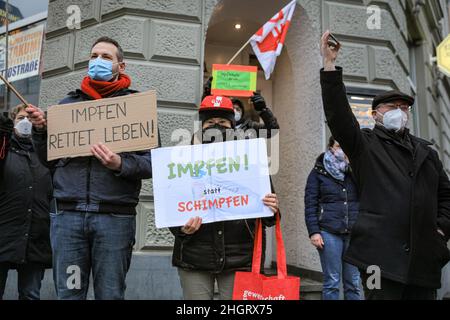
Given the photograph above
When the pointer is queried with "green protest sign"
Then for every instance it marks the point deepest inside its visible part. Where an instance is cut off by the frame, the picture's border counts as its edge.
(234, 80)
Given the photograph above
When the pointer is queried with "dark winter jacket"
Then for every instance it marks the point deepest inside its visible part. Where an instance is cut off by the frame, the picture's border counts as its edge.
(25, 194)
(330, 204)
(84, 184)
(217, 247)
(404, 195)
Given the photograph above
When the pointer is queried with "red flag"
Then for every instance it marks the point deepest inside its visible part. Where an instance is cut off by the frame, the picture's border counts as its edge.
(268, 41)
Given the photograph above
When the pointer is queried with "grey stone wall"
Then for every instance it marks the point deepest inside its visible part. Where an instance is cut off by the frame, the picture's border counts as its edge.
(433, 87)
(164, 48)
(379, 57)
(298, 107)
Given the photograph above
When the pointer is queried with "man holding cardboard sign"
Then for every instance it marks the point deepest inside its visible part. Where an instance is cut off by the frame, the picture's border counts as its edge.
(96, 189)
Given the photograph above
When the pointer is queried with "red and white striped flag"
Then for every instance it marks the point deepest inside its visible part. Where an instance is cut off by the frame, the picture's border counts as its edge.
(268, 42)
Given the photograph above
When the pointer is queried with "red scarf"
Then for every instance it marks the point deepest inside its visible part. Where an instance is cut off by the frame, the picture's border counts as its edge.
(102, 89)
(3, 149)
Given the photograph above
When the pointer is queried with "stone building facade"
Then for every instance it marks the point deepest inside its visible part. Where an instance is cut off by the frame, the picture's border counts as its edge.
(170, 45)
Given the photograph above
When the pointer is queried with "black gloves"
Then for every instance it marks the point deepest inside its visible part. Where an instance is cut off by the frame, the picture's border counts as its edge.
(207, 88)
(6, 126)
(258, 101)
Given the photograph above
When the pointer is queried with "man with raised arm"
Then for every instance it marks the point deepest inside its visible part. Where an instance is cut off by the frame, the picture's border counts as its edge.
(404, 220)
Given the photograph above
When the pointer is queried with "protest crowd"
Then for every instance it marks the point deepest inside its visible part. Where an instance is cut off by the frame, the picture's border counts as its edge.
(374, 197)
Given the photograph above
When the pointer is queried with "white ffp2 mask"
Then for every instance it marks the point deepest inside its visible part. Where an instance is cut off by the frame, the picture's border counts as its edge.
(395, 120)
(23, 127)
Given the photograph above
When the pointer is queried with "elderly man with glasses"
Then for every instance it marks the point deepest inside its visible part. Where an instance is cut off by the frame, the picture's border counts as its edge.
(399, 241)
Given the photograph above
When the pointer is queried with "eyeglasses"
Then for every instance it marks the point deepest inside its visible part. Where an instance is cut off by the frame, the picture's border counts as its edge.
(403, 107)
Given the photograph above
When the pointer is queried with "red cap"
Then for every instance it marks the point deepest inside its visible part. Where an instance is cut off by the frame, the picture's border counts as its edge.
(217, 107)
(217, 103)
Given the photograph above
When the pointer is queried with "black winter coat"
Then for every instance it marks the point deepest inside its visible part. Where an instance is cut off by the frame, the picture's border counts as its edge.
(330, 204)
(219, 246)
(25, 194)
(404, 195)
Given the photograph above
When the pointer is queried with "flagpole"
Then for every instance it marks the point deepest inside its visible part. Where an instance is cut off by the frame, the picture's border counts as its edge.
(240, 50)
(6, 53)
(11, 87)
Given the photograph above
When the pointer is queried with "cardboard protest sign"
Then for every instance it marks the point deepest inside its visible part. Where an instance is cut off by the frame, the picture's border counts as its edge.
(125, 123)
(234, 80)
(217, 181)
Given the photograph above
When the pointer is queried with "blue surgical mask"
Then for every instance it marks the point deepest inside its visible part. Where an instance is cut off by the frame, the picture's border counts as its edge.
(100, 69)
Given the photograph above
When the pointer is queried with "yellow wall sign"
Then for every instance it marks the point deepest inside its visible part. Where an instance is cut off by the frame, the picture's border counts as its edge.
(443, 56)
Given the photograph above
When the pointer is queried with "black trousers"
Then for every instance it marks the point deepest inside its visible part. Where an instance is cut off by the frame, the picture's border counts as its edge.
(393, 290)
(29, 279)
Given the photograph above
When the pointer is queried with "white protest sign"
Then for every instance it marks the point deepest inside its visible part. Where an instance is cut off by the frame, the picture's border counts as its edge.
(217, 182)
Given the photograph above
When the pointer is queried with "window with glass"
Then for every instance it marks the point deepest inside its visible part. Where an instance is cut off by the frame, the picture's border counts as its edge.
(362, 109)
(26, 31)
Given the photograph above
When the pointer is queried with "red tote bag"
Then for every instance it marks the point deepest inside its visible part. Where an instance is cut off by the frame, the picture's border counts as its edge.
(255, 286)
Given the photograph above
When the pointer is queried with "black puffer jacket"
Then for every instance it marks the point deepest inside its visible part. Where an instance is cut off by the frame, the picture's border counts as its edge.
(330, 204)
(25, 193)
(218, 246)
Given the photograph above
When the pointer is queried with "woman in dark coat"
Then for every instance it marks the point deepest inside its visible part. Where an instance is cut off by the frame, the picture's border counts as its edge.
(331, 208)
(25, 193)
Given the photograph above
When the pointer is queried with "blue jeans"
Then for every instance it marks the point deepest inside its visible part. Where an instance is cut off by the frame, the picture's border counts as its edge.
(84, 242)
(29, 279)
(333, 267)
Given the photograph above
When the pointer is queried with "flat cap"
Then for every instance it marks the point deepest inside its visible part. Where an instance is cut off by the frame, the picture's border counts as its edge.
(390, 96)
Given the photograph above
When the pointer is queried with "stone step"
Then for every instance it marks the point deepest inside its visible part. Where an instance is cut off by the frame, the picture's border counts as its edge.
(309, 289)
